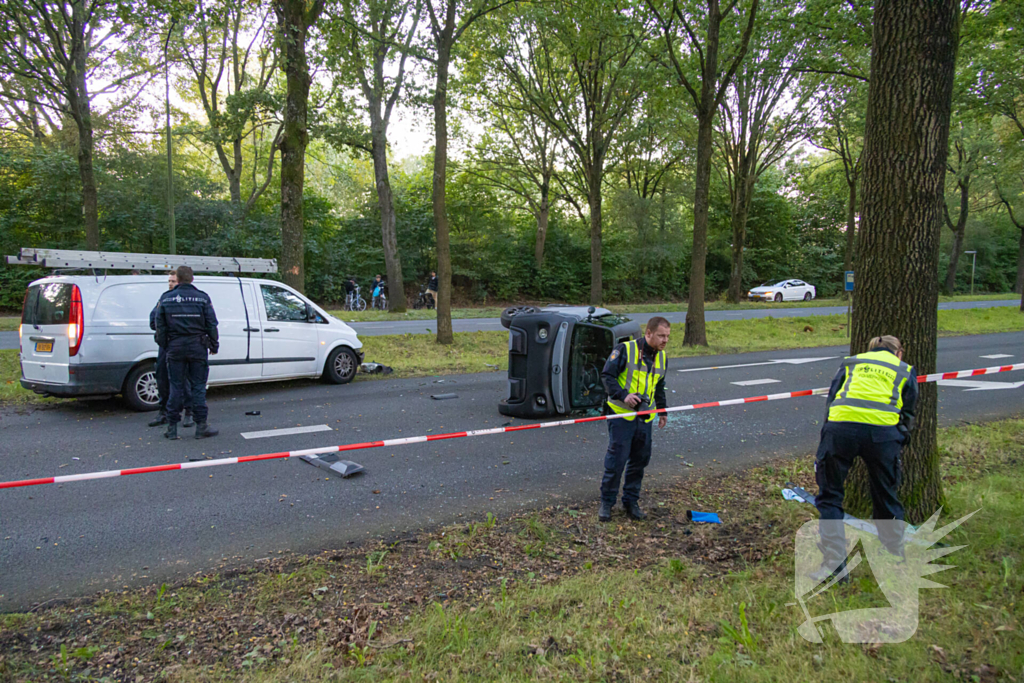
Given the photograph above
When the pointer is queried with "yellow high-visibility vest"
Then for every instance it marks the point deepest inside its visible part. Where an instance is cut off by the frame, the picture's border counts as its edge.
(872, 392)
(636, 379)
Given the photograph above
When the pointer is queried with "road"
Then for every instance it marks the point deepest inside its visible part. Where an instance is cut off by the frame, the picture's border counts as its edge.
(79, 538)
(9, 340)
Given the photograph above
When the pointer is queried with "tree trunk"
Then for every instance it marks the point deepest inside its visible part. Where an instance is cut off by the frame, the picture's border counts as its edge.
(294, 22)
(851, 224)
(444, 258)
(82, 114)
(1019, 286)
(958, 234)
(594, 201)
(543, 212)
(740, 210)
(912, 66)
(695, 333)
(388, 228)
(235, 175)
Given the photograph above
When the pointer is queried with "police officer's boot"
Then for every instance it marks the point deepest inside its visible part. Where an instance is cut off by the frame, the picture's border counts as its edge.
(204, 430)
(172, 431)
(160, 419)
(633, 510)
(187, 422)
(604, 513)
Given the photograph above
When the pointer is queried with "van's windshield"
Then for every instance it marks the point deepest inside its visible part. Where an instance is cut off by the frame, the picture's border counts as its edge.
(47, 304)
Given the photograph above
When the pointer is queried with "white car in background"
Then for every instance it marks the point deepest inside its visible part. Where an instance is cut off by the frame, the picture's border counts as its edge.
(785, 290)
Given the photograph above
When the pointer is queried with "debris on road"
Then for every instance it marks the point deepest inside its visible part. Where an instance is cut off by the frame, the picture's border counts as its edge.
(376, 369)
(252, 412)
(443, 397)
(331, 462)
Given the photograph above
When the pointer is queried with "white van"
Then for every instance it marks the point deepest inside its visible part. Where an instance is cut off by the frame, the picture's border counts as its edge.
(84, 335)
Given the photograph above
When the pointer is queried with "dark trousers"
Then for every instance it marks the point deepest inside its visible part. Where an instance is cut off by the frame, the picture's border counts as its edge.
(840, 446)
(629, 449)
(188, 369)
(163, 382)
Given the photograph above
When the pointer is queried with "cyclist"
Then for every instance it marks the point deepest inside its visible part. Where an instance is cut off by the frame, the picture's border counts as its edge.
(378, 289)
(432, 288)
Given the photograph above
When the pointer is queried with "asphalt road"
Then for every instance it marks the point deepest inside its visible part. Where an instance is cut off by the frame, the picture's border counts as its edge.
(9, 340)
(79, 538)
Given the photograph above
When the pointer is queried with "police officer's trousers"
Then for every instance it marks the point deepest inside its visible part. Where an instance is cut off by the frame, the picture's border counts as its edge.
(840, 445)
(629, 449)
(188, 369)
(163, 382)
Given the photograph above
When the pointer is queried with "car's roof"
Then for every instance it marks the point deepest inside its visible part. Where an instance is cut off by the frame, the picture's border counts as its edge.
(121, 279)
(578, 312)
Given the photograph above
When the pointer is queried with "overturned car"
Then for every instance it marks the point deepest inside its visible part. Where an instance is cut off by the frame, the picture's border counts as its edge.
(555, 357)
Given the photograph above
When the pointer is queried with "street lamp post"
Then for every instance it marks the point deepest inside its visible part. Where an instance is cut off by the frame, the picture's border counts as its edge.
(974, 259)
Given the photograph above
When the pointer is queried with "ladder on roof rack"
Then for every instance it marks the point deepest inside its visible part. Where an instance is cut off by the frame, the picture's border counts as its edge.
(65, 258)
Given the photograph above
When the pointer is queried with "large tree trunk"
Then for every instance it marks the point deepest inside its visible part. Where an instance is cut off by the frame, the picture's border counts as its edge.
(444, 257)
(388, 228)
(235, 175)
(294, 22)
(958, 235)
(696, 332)
(82, 115)
(913, 57)
(740, 211)
(594, 201)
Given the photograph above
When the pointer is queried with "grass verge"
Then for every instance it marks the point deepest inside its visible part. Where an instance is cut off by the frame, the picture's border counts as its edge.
(418, 355)
(554, 595)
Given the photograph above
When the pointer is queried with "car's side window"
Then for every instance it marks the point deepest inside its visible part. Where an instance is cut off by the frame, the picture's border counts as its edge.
(282, 305)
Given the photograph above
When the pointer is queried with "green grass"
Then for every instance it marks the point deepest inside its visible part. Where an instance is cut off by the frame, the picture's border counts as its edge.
(676, 621)
(418, 355)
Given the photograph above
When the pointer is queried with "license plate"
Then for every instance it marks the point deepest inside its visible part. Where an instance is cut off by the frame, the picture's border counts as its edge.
(44, 347)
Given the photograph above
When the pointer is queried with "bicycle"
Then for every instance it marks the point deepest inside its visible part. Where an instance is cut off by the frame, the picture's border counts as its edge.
(424, 301)
(380, 299)
(354, 302)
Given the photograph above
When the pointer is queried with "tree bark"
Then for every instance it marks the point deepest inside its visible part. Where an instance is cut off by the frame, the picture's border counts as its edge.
(740, 211)
(294, 21)
(594, 201)
(959, 228)
(695, 332)
(851, 224)
(913, 60)
(445, 334)
(388, 226)
(543, 213)
(1019, 285)
(82, 114)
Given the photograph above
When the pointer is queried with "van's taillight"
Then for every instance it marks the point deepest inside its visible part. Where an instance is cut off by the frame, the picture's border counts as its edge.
(77, 318)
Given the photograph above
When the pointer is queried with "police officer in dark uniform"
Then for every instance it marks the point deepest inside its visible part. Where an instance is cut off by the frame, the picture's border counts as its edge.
(187, 326)
(163, 383)
(870, 415)
(634, 379)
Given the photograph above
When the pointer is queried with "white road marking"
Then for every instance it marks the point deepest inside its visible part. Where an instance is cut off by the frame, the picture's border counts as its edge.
(788, 361)
(755, 382)
(975, 385)
(996, 356)
(286, 432)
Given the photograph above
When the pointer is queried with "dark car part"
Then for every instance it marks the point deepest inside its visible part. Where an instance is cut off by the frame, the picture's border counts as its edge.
(555, 358)
(512, 311)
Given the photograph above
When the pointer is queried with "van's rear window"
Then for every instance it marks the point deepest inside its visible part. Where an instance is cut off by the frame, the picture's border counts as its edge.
(47, 304)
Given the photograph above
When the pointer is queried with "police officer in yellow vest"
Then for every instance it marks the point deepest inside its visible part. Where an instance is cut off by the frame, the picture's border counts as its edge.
(634, 379)
(870, 415)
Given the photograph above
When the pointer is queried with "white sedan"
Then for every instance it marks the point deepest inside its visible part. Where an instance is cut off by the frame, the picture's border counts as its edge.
(786, 290)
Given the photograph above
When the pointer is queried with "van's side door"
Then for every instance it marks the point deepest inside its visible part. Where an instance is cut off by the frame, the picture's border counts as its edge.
(238, 328)
(290, 340)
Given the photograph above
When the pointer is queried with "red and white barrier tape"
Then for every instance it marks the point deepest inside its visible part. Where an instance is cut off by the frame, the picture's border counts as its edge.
(67, 478)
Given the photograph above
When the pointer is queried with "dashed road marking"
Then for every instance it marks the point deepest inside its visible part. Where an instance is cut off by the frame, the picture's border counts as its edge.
(755, 382)
(286, 432)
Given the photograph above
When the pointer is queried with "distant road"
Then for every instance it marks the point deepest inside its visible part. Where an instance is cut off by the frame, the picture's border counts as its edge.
(9, 340)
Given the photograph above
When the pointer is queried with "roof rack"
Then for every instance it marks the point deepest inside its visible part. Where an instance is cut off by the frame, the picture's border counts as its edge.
(111, 260)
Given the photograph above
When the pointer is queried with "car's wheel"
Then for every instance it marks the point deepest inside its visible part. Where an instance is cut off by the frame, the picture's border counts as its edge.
(140, 391)
(512, 312)
(341, 365)
(807, 296)
(778, 297)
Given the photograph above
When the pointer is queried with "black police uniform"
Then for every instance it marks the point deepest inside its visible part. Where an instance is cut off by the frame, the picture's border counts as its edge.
(629, 441)
(879, 446)
(186, 326)
(163, 384)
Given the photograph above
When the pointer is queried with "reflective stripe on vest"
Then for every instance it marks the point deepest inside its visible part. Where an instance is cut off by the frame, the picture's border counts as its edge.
(636, 379)
(872, 392)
